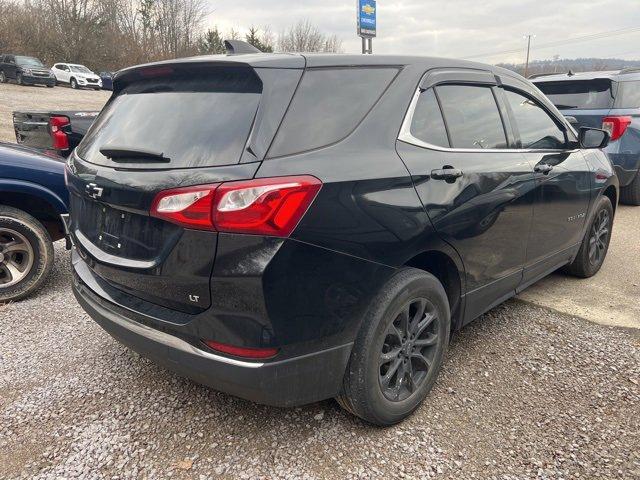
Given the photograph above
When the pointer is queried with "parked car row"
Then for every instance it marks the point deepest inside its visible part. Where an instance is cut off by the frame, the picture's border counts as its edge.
(286, 249)
(31, 71)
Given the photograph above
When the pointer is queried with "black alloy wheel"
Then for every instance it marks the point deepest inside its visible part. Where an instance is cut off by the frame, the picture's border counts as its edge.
(408, 350)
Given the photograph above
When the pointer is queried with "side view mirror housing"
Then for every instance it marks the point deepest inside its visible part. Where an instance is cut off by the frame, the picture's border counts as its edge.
(593, 138)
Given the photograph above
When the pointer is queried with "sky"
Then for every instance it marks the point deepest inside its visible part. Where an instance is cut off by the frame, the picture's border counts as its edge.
(488, 31)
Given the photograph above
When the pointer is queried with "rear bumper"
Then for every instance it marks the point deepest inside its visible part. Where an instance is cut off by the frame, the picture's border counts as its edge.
(294, 381)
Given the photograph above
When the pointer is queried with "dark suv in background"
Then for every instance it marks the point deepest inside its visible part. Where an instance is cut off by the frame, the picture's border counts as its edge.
(290, 228)
(25, 71)
(608, 100)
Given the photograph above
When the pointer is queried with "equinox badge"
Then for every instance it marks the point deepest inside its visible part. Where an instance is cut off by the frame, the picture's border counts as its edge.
(93, 190)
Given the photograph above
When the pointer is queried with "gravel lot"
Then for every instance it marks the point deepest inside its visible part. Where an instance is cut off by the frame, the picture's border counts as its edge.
(526, 392)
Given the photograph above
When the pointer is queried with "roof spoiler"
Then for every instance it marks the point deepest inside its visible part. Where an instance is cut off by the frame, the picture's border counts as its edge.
(238, 47)
(538, 75)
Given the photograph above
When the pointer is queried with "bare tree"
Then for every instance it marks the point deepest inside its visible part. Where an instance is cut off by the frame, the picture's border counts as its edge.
(306, 37)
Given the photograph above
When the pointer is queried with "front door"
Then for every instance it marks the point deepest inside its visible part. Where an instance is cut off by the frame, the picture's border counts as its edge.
(563, 188)
(477, 193)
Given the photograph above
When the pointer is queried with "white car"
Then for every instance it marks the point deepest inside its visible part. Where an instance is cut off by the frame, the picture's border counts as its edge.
(76, 76)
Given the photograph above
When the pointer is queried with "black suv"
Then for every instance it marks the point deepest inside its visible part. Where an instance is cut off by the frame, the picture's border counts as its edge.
(25, 71)
(289, 228)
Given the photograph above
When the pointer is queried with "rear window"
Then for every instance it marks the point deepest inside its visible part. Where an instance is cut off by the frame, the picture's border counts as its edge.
(583, 94)
(628, 95)
(472, 117)
(328, 106)
(196, 116)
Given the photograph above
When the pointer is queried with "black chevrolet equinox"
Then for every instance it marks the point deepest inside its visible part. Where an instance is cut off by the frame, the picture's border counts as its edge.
(289, 228)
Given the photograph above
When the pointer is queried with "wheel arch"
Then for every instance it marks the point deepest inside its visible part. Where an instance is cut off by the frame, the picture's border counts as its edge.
(40, 203)
(447, 268)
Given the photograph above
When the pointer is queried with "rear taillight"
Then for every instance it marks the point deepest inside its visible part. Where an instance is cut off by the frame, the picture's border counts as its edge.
(255, 353)
(264, 206)
(616, 126)
(59, 138)
(190, 207)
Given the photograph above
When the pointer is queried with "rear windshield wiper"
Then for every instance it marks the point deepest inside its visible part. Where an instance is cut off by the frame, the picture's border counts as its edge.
(565, 107)
(132, 155)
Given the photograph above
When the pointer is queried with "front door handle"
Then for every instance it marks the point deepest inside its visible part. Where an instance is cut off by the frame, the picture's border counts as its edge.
(448, 174)
(543, 168)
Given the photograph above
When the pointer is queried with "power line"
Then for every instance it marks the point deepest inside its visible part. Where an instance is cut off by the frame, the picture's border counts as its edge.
(582, 38)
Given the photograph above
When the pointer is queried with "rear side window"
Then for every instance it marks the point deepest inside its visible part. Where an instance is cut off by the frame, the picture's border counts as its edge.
(628, 95)
(195, 116)
(427, 123)
(537, 129)
(585, 94)
(328, 106)
(472, 117)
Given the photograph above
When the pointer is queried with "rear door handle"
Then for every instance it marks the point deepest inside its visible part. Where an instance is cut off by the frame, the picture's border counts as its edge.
(448, 174)
(543, 168)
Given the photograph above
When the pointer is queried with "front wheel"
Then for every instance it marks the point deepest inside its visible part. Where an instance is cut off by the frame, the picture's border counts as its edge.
(26, 254)
(595, 243)
(3, 77)
(19, 79)
(398, 353)
(73, 83)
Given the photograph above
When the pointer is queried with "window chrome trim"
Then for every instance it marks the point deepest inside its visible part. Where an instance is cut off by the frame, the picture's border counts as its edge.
(406, 136)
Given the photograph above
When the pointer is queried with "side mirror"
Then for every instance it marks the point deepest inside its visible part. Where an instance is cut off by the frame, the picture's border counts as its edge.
(593, 138)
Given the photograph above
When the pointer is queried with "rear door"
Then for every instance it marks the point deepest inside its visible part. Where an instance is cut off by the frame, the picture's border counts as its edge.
(477, 192)
(10, 67)
(562, 179)
(206, 124)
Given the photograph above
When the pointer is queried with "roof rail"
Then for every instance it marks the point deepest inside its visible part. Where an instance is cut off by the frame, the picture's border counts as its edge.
(629, 70)
(238, 47)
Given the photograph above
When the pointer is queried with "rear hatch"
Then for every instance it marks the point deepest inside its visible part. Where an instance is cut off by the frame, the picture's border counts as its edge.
(170, 126)
(588, 101)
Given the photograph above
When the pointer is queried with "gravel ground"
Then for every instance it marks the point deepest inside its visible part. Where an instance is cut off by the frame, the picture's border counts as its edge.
(525, 393)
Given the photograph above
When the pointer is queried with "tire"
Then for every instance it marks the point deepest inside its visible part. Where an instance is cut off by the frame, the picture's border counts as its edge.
(586, 264)
(3, 77)
(32, 259)
(73, 84)
(49, 86)
(19, 79)
(369, 390)
(631, 193)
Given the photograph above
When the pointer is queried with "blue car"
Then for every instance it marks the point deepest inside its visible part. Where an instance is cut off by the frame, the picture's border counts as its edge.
(33, 201)
(107, 80)
(607, 100)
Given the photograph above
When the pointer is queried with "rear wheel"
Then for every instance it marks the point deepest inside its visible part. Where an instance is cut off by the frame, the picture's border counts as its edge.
(26, 254)
(595, 244)
(49, 86)
(3, 77)
(73, 83)
(631, 193)
(399, 350)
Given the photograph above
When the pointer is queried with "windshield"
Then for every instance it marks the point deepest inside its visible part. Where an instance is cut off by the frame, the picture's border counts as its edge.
(584, 94)
(29, 62)
(193, 119)
(79, 69)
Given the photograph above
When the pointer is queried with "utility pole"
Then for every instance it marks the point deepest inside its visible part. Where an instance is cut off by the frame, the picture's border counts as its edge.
(526, 65)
